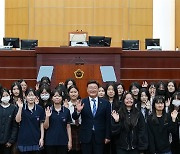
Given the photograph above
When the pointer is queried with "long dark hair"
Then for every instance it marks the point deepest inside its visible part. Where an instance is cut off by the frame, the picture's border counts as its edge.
(145, 90)
(116, 102)
(43, 103)
(170, 94)
(2, 91)
(117, 84)
(176, 96)
(129, 123)
(70, 79)
(75, 87)
(20, 92)
(159, 99)
(60, 92)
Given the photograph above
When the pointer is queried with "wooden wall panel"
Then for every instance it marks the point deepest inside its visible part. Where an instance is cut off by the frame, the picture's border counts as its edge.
(49, 21)
(140, 20)
(16, 18)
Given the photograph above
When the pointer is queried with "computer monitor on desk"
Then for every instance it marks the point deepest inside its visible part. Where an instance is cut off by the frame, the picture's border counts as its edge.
(29, 44)
(152, 44)
(11, 42)
(130, 44)
(96, 41)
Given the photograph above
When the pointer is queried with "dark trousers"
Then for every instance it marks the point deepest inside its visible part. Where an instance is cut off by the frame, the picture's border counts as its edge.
(122, 151)
(92, 147)
(110, 148)
(59, 149)
(74, 152)
(30, 152)
(4, 149)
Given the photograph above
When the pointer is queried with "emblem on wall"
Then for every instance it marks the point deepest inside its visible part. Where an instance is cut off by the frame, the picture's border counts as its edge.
(79, 74)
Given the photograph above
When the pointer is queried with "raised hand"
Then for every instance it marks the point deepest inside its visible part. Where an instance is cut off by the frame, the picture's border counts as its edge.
(19, 103)
(79, 106)
(145, 84)
(174, 115)
(168, 102)
(115, 115)
(37, 86)
(148, 105)
(66, 103)
(48, 111)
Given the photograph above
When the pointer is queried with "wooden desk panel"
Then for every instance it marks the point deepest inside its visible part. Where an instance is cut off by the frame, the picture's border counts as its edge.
(15, 65)
(149, 66)
(129, 65)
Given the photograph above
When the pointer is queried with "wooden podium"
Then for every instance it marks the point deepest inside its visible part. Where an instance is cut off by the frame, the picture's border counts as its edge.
(80, 73)
(66, 60)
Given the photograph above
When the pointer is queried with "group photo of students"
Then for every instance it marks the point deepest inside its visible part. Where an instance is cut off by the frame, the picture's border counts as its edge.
(143, 119)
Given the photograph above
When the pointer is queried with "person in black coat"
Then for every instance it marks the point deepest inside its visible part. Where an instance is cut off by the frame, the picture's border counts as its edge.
(175, 105)
(160, 125)
(8, 127)
(129, 127)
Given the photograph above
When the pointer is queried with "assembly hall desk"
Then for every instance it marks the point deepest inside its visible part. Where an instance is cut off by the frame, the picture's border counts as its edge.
(129, 65)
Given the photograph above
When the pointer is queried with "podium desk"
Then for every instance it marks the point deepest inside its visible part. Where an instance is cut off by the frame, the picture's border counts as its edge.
(103, 56)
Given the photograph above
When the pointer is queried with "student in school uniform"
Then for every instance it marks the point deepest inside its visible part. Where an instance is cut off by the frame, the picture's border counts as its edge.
(74, 96)
(16, 93)
(24, 86)
(30, 117)
(101, 92)
(111, 95)
(121, 90)
(58, 138)
(8, 127)
(144, 102)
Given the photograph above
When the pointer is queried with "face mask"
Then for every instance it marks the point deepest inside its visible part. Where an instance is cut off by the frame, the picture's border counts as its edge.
(5, 100)
(176, 103)
(45, 97)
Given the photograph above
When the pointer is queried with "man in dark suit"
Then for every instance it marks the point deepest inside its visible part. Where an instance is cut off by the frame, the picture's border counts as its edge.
(96, 124)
